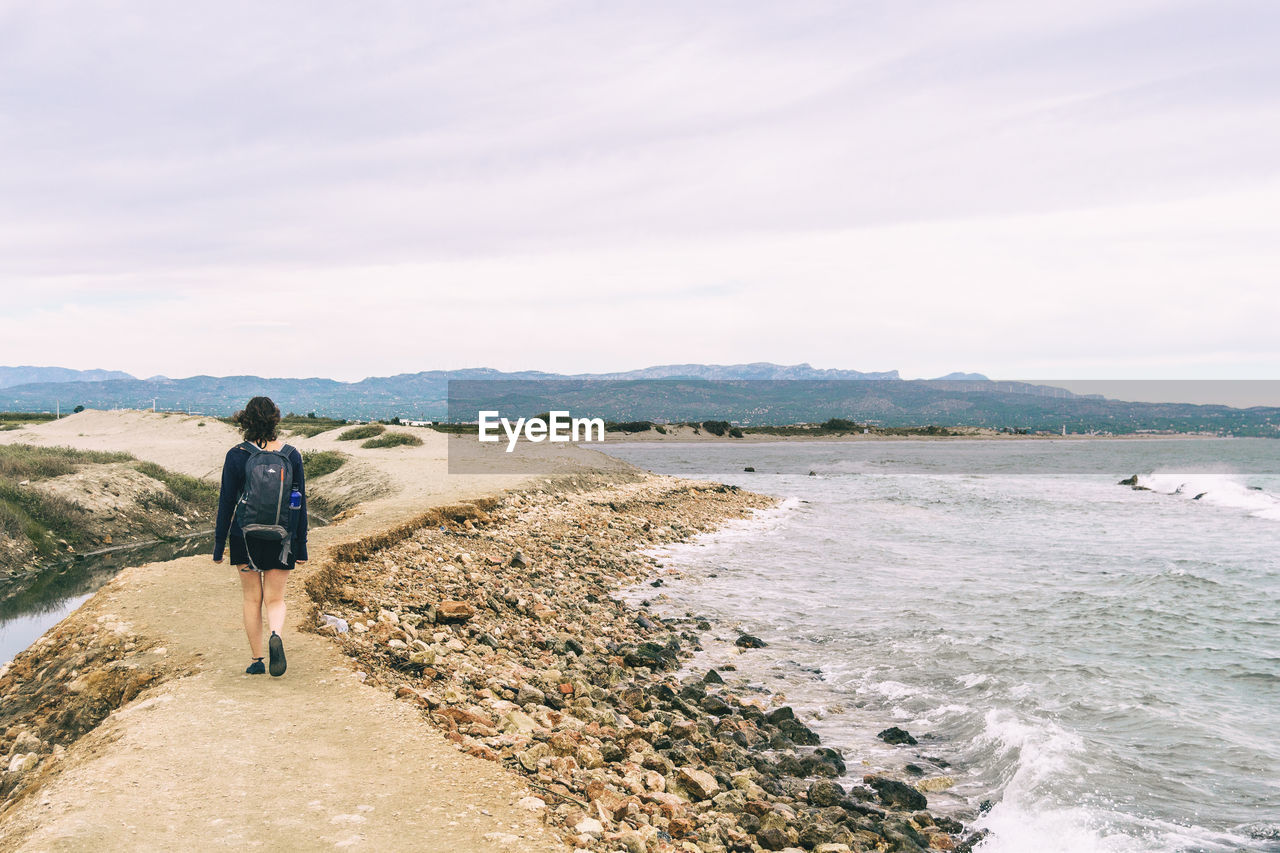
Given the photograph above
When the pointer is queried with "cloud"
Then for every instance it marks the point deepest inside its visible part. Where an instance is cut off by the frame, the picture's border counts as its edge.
(998, 186)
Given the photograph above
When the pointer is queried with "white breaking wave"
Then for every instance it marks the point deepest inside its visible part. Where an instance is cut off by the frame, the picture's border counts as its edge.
(1031, 817)
(1225, 490)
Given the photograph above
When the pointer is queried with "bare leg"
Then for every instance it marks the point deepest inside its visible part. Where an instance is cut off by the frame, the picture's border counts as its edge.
(273, 581)
(251, 582)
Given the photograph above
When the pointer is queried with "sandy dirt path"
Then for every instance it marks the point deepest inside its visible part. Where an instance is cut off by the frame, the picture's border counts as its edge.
(314, 760)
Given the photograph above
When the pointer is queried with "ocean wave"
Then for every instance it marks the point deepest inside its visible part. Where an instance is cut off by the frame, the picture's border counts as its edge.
(1224, 490)
(1033, 815)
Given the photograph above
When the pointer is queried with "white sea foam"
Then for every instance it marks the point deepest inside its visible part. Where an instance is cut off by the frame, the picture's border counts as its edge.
(1225, 490)
(1031, 817)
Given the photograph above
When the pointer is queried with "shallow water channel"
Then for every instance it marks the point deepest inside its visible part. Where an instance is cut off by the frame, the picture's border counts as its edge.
(32, 604)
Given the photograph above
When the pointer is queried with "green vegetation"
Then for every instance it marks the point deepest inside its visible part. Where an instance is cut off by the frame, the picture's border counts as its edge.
(40, 519)
(28, 417)
(309, 425)
(394, 439)
(630, 426)
(193, 490)
(362, 431)
(457, 429)
(28, 462)
(717, 427)
(17, 420)
(50, 522)
(317, 463)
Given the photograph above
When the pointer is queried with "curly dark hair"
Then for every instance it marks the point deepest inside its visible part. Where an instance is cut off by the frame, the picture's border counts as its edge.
(258, 420)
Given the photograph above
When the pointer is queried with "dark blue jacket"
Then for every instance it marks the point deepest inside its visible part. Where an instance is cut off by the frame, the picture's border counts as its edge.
(233, 485)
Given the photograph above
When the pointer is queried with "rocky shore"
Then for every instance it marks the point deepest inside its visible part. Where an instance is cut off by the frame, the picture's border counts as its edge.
(499, 619)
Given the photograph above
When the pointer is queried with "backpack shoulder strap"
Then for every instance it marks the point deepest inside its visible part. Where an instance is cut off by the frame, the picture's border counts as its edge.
(284, 451)
(250, 447)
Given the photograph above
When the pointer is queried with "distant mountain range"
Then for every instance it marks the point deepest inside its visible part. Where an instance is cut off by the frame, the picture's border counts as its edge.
(11, 376)
(749, 394)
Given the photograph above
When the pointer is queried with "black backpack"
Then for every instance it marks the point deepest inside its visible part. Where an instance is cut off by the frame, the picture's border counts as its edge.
(263, 508)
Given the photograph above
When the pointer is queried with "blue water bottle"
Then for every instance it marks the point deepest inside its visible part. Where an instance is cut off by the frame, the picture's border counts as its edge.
(295, 500)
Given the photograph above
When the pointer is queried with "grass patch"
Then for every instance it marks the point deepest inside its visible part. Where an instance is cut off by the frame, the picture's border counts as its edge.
(362, 431)
(27, 417)
(39, 518)
(321, 462)
(309, 426)
(629, 426)
(457, 429)
(394, 439)
(48, 524)
(192, 490)
(28, 462)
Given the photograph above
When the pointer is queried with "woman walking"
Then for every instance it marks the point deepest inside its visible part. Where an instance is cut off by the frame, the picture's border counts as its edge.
(263, 507)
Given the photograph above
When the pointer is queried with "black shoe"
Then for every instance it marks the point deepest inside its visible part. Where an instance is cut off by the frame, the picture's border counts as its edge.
(276, 647)
(256, 668)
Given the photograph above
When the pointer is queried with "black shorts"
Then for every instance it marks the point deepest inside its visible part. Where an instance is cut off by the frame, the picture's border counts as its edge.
(258, 554)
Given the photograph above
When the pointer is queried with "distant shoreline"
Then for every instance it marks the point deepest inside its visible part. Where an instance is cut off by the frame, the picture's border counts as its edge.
(686, 435)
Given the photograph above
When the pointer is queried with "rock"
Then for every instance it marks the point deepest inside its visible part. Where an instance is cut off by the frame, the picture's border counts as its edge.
(532, 804)
(632, 841)
(895, 736)
(700, 784)
(813, 473)
(935, 783)
(454, 611)
(777, 715)
(897, 794)
(749, 470)
(589, 757)
(772, 838)
(824, 792)
(831, 758)
(517, 722)
(529, 695)
(22, 762)
(712, 677)
(529, 758)
(518, 561)
(26, 742)
(798, 733)
(747, 641)
(1129, 481)
(589, 826)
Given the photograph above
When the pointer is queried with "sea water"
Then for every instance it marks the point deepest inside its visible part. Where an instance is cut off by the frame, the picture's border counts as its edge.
(1096, 667)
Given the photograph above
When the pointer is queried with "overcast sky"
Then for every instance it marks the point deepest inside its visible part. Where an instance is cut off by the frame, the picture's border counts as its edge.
(1087, 188)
